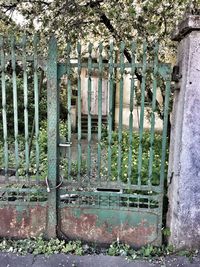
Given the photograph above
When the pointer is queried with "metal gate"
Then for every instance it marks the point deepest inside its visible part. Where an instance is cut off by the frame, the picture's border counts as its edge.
(112, 183)
(106, 169)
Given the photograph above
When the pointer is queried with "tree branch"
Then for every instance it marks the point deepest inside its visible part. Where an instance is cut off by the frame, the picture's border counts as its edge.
(106, 21)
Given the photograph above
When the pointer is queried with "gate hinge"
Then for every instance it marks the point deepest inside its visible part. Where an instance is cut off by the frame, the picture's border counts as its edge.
(176, 76)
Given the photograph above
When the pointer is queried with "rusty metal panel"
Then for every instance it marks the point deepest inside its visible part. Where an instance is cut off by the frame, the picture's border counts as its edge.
(104, 226)
(22, 221)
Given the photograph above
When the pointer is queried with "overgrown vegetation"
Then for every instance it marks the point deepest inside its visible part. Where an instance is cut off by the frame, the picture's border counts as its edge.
(120, 249)
(39, 245)
(95, 20)
(20, 98)
(42, 140)
(98, 19)
(129, 155)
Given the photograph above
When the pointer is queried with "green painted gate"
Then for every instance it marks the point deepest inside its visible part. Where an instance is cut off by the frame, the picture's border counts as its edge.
(112, 185)
(105, 178)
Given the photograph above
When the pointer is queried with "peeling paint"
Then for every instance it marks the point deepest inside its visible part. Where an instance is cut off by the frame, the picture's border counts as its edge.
(22, 222)
(106, 226)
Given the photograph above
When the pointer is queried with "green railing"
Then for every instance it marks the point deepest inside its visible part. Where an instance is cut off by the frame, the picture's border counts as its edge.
(114, 151)
(121, 165)
(154, 75)
(19, 75)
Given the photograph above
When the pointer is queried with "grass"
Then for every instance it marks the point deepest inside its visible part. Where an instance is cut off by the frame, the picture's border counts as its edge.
(127, 169)
(130, 154)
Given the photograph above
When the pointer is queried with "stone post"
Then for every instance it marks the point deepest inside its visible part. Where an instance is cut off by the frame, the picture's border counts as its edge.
(184, 161)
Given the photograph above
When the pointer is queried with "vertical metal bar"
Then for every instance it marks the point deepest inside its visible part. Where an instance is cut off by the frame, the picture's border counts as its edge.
(122, 46)
(133, 47)
(100, 74)
(25, 85)
(36, 102)
(15, 105)
(110, 113)
(4, 115)
(79, 110)
(69, 94)
(165, 123)
(53, 119)
(142, 112)
(151, 152)
(89, 109)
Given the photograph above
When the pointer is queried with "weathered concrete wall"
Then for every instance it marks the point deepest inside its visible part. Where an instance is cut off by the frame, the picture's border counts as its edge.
(136, 118)
(136, 109)
(184, 161)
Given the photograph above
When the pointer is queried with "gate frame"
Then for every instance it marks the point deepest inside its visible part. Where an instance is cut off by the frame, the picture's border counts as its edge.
(55, 71)
(53, 138)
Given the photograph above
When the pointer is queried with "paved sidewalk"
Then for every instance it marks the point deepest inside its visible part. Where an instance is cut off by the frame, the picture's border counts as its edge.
(61, 260)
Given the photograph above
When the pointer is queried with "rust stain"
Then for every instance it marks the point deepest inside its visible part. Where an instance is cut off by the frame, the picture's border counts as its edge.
(86, 228)
(16, 222)
(22, 223)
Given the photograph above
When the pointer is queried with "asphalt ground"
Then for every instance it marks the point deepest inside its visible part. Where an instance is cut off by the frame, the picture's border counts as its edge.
(62, 260)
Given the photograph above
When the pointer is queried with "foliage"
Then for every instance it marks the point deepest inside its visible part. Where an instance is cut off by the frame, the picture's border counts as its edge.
(149, 251)
(125, 156)
(118, 249)
(64, 164)
(95, 20)
(126, 150)
(100, 19)
(71, 169)
(20, 101)
(39, 245)
(166, 232)
(7, 25)
(42, 150)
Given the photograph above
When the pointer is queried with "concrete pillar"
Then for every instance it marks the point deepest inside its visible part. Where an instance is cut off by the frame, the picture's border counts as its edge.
(184, 162)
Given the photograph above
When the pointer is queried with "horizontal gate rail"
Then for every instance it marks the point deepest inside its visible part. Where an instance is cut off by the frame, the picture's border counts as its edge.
(63, 66)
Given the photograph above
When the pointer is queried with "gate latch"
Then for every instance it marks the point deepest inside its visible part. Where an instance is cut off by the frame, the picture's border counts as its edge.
(68, 144)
